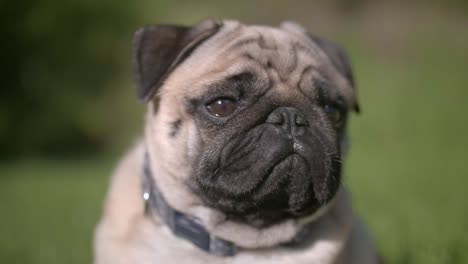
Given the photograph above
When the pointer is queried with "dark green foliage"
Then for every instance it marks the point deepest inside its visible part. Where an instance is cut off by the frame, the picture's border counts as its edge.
(60, 61)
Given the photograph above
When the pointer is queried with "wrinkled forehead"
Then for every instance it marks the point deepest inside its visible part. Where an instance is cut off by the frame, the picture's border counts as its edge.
(288, 59)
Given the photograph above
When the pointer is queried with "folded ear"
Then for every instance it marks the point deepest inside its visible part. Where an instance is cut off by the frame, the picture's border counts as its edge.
(334, 52)
(339, 59)
(158, 49)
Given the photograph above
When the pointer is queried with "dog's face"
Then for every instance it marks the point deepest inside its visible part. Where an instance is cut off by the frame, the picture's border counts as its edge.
(251, 117)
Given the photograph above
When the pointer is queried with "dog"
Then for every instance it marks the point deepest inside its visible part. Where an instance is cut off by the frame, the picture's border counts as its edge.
(245, 134)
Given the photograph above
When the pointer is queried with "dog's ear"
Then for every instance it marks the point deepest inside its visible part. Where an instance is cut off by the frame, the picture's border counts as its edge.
(339, 59)
(158, 49)
(334, 52)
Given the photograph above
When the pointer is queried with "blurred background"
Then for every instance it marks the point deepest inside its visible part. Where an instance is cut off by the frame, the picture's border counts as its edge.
(68, 111)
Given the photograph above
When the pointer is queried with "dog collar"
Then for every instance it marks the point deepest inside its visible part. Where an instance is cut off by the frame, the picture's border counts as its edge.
(189, 227)
(182, 225)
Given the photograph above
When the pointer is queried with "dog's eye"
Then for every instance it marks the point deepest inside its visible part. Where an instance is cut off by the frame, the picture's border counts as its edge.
(334, 113)
(222, 107)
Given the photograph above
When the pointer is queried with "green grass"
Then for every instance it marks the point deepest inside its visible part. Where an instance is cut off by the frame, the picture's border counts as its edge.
(407, 167)
(49, 209)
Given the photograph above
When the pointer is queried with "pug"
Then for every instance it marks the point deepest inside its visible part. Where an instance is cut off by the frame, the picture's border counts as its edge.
(241, 159)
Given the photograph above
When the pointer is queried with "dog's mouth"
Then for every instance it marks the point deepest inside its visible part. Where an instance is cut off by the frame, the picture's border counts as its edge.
(269, 177)
(289, 177)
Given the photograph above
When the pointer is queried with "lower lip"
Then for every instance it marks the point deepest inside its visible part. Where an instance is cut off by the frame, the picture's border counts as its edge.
(288, 158)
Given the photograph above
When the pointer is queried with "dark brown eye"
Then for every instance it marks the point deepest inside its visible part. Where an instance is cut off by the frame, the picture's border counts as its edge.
(222, 107)
(334, 113)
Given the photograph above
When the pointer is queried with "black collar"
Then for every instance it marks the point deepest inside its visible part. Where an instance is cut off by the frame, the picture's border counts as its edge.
(182, 225)
(189, 227)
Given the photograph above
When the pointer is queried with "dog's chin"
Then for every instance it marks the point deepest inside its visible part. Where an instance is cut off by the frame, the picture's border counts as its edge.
(286, 191)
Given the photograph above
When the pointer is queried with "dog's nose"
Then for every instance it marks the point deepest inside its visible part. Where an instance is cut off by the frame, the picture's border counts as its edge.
(289, 119)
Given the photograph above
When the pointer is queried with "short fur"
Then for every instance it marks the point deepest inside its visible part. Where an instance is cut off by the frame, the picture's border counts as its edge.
(254, 178)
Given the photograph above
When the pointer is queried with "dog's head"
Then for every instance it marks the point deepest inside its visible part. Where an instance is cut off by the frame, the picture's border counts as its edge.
(251, 118)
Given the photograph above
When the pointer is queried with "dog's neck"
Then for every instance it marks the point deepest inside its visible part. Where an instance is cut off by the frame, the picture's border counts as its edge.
(181, 200)
(182, 225)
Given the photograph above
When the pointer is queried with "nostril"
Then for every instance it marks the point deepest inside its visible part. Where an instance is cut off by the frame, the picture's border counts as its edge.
(275, 118)
(300, 120)
(289, 118)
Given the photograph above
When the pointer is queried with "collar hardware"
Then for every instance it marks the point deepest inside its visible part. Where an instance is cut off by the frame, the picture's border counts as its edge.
(181, 225)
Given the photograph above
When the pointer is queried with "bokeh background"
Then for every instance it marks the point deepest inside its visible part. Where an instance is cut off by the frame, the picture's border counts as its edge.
(68, 111)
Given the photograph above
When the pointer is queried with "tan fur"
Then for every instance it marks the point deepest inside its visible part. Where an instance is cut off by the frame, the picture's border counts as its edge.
(125, 235)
